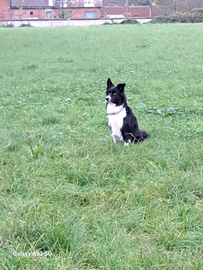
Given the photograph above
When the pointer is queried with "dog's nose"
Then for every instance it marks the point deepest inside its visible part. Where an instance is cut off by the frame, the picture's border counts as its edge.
(107, 98)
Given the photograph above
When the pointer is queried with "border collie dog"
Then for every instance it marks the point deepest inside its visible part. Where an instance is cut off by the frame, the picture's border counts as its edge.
(121, 120)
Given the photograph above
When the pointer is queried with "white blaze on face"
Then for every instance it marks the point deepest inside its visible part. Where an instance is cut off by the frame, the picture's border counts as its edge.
(108, 98)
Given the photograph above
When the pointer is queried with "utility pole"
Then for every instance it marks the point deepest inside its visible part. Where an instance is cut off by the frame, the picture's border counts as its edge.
(174, 6)
(126, 7)
(10, 11)
(150, 8)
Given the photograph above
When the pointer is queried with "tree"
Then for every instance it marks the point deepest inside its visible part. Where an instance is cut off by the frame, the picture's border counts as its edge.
(64, 6)
(194, 4)
(171, 4)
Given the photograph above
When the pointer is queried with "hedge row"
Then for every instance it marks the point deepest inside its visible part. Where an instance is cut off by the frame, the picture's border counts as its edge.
(193, 16)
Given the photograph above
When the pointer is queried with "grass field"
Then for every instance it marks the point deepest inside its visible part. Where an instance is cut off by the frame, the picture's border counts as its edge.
(65, 187)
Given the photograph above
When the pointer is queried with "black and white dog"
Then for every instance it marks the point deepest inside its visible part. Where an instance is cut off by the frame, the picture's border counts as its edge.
(122, 122)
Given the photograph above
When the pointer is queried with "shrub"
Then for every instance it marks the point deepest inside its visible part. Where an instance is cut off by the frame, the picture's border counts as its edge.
(7, 25)
(193, 16)
(197, 10)
(129, 21)
(25, 25)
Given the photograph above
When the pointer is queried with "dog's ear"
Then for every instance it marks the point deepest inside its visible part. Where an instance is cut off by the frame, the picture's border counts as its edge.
(121, 87)
(109, 83)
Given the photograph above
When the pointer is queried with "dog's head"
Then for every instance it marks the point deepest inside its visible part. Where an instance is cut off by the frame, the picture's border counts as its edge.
(115, 94)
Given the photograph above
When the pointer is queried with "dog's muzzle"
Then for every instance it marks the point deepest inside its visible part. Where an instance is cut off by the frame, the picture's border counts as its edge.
(108, 99)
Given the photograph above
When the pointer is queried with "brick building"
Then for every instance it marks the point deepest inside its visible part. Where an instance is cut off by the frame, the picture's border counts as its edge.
(76, 9)
(4, 9)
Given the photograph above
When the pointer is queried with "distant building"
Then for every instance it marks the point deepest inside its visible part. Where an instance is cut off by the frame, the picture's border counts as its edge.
(78, 9)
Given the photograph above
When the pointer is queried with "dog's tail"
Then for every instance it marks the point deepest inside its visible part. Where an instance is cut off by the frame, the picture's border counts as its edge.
(145, 135)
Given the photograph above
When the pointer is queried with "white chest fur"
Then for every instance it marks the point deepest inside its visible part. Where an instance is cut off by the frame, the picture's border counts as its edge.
(115, 115)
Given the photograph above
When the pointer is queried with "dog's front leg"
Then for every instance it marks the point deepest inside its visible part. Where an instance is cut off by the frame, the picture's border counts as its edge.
(114, 139)
(126, 139)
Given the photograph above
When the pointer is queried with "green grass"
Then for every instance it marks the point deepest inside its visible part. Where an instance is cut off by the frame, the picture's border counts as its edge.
(65, 186)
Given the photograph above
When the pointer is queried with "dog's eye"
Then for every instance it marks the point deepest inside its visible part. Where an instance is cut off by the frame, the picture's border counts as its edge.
(114, 94)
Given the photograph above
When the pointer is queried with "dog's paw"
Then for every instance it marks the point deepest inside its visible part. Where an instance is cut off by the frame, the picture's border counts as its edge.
(126, 144)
